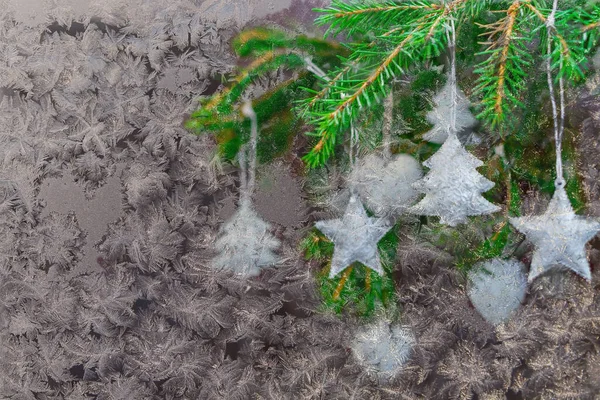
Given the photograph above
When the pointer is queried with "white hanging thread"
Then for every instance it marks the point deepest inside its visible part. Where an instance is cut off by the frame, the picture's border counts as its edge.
(243, 172)
(559, 126)
(353, 144)
(453, 93)
(248, 168)
(388, 109)
(312, 67)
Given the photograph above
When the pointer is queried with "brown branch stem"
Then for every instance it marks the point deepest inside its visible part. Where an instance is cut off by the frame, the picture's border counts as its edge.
(340, 286)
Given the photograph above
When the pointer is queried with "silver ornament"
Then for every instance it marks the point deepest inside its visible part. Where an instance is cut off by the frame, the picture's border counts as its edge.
(441, 114)
(383, 348)
(385, 187)
(559, 236)
(497, 288)
(355, 237)
(245, 245)
(453, 187)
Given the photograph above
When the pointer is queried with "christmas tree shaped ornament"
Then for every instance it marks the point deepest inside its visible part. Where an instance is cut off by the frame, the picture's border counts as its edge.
(453, 187)
(497, 288)
(440, 116)
(245, 244)
(559, 235)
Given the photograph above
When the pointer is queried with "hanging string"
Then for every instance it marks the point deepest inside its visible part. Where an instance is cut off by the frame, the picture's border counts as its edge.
(558, 124)
(248, 169)
(312, 67)
(353, 144)
(243, 172)
(451, 36)
(388, 116)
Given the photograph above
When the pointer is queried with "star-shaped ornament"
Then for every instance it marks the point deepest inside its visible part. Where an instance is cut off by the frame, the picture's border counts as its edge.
(355, 237)
(559, 236)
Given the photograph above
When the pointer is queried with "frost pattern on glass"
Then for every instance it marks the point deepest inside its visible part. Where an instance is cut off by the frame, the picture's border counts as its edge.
(453, 187)
(385, 185)
(497, 288)
(559, 236)
(441, 114)
(383, 348)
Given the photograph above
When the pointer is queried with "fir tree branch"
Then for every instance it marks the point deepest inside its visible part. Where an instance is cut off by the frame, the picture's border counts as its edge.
(329, 122)
(365, 15)
(502, 72)
(213, 113)
(323, 92)
(420, 36)
(591, 26)
(340, 286)
(569, 54)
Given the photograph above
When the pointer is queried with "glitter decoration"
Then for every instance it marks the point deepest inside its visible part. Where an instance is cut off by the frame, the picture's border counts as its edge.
(245, 245)
(559, 236)
(383, 348)
(441, 114)
(385, 186)
(453, 187)
(497, 288)
(355, 237)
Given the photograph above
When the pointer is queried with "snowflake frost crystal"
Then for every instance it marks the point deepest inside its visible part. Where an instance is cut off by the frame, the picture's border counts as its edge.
(453, 187)
(497, 288)
(559, 236)
(245, 245)
(386, 188)
(382, 348)
(441, 114)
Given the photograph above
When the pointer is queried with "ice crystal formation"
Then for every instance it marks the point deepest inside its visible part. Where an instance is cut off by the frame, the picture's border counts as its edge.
(88, 89)
(497, 288)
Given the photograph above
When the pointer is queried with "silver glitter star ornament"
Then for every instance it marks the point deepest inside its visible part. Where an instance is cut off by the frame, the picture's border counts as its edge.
(559, 236)
(355, 237)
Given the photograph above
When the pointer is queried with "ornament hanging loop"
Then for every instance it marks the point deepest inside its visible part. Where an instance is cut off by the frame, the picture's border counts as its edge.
(559, 123)
(451, 37)
(248, 167)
